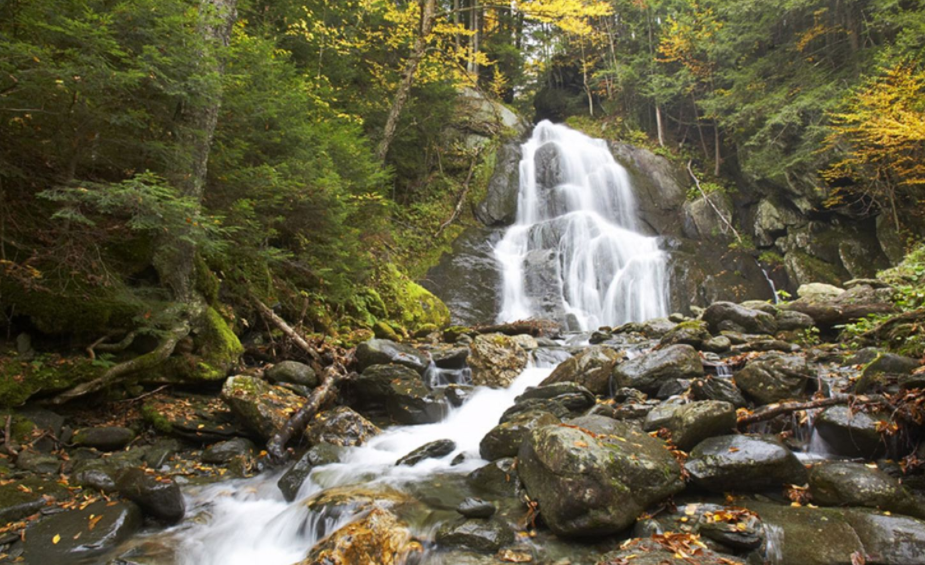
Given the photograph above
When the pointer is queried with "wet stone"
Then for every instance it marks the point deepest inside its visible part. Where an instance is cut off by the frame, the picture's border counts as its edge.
(225, 451)
(109, 438)
(432, 450)
(78, 542)
(474, 534)
(158, 496)
(476, 508)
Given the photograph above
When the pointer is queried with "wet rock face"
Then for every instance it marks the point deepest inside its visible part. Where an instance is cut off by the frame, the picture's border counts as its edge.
(76, 541)
(17, 503)
(591, 369)
(721, 316)
(159, 497)
(342, 427)
(499, 208)
(850, 433)
(321, 454)
(839, 483)
(384, 352)
(744, 463)
(597, 477)
(650, 371)
(468, 278)
(775, 377)
(263, 408)
(496, 360)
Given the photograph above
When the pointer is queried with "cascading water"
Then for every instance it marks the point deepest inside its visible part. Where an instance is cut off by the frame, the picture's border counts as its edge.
(574, 253)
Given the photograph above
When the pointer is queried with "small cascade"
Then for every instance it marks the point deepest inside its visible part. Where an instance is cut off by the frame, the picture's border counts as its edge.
(575, 254)
(767, 277)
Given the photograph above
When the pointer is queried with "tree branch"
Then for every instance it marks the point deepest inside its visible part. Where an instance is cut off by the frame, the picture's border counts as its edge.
(788, 407)
(710, 202)
(271, 316)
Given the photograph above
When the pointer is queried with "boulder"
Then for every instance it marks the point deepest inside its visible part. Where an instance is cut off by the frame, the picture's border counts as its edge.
(496, 360)
(848, 306)
(227, 451)
(591, 369)
(379, 537)
(661, 415)
(41, 463)
(819, 292)
(17, 502)
(498, 478)
(850, 433)
(791, 320)
(81, 535)
(293, 372)
(730, 316)
(374, 384)
(595, 476)
(839, 483)
(261, 407)
(432, 450)
(384, 352)
(476, 508)
(717, 388)
(451, 358)
(650, 371)
(411, 403)
(697, 421)
(107, 438)
(744, 463)
(340, 426)
(475, 534)
(774, 377)
(504, 439)
(158, 496)
(693, 333)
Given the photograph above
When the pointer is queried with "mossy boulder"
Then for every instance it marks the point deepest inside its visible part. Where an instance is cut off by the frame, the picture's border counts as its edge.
(496, 360)
(744, 463)
(379, 537)
(775, 377)
(650, 371)
(591, 369)
(262, 408)
(595, 476)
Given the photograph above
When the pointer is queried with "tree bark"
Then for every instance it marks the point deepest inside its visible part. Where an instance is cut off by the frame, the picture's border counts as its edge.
(174, 259)
(428, 16)
(788, 407)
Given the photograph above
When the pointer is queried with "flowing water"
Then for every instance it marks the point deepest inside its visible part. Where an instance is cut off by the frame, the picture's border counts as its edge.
(575, 253)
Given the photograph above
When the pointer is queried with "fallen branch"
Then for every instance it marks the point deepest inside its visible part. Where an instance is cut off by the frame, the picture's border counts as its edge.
(710, 202)
(276, 447)
(462, 195)
(788, 407)
(280, 323)
(122, 370)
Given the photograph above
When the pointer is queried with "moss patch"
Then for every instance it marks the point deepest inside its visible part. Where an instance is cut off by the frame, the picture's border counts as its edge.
(46, 374)
(412, 305)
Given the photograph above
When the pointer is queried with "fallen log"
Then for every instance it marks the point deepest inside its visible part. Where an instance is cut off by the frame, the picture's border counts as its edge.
(280, 323)
(276, 447)
(788, 407)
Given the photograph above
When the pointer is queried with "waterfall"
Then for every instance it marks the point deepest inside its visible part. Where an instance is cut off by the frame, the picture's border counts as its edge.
(575, 254)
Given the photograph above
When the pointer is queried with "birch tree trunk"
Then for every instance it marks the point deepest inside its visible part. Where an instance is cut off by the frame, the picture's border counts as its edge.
(428, 15)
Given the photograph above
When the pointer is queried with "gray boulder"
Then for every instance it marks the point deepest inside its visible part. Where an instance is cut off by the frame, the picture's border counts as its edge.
(226, 451)
(650, 371)
(774, 377)
(107, 438)
(597, 477)
(157, 496)
(744, 463)
(384, 352)
(320, 454)
(717, 388)
(504, 439)
(261, 407)
(850, 433)
(475, 534)
(721, 316)
(432, 450)
(340, 426)
(591, 369)
(697, 421)
(66, 537)
(839, 483)
(293, 372)
(496, 360)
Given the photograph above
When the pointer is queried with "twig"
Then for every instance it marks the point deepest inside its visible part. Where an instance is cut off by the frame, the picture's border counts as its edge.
(145, 395)
(8, 436)
(710, 202)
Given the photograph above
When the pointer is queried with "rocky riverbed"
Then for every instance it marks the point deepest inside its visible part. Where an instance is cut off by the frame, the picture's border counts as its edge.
(746, 434)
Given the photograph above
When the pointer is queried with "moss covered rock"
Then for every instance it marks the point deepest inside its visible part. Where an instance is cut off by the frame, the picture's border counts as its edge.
(47, 374)
(410, 304)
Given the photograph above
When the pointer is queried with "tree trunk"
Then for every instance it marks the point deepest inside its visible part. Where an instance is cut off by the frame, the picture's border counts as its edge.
(174, 258)
(659, 126)
(716, 149)
(428, 15)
